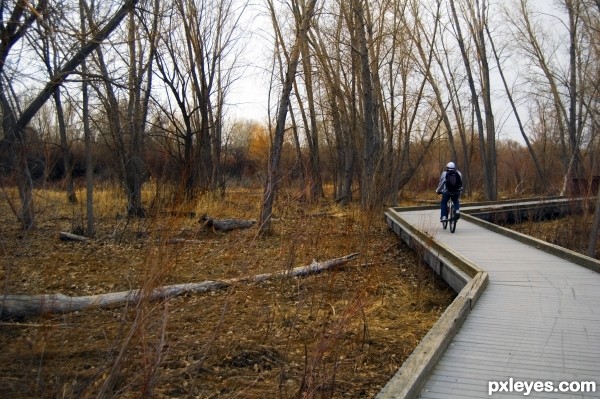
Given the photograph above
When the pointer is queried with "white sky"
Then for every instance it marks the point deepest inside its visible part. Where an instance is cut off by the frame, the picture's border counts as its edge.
(250, 93)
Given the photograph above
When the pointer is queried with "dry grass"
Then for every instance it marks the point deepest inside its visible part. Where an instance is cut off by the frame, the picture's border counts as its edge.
(571, 232)
(337, 334)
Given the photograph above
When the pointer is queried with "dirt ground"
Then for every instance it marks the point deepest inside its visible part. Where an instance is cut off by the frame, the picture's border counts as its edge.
(339, 334)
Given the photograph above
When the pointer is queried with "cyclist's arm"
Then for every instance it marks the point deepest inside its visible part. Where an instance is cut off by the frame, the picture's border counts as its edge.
(440, 187)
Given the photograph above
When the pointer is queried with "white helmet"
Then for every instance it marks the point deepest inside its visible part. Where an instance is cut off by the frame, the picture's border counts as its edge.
(450, 165)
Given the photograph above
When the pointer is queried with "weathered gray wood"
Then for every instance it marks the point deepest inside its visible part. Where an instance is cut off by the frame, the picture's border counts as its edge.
(413, 374)
(18, 306)
(538, 319)
(227, 224)
(63, 235)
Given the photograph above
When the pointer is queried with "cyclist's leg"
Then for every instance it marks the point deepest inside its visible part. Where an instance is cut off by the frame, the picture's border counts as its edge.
(456, 202)
(444, 205)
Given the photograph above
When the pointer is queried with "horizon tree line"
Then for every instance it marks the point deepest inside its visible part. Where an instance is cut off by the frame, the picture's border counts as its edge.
(371, 89)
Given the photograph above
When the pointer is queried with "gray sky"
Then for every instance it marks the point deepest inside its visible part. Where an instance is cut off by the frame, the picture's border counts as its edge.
(250, 93)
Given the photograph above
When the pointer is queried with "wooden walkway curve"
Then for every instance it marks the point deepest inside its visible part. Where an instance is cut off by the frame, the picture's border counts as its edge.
(527, 312)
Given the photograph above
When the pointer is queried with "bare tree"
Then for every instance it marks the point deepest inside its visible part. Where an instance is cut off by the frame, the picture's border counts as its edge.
(420, 37)
(193, 66)
(87, 133)
(574, 105)
(310, 175)
(127, 122)
(511, 100)
(273, 176)
(568, 108)
(338, 92)
(312, 133)
(282, 58)
(450, 75)
(370, 137)
(477, 20)
(21, 18)
(591, 20)
(50, 53)
(377, 96)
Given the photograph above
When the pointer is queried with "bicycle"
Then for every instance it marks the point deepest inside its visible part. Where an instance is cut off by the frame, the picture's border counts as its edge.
(452, 217)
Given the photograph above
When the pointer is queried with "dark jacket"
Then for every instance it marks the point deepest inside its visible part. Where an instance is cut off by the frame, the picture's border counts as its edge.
(442, 185)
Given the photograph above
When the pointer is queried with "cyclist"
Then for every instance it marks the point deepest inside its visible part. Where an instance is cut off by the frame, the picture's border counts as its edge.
(450, 187)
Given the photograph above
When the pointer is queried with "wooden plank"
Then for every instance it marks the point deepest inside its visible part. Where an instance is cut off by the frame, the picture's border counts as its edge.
(539, 318)
(484, 374)
(497, 352)
(545, 364)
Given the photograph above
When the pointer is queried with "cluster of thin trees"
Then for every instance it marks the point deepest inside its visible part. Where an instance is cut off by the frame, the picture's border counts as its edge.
(378, 86)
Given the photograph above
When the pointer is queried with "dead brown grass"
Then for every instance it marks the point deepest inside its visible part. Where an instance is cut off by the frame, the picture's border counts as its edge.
(338, 334)
(571, 232)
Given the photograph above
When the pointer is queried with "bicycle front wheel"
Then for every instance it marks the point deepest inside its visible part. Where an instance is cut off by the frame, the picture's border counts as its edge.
(452, 220)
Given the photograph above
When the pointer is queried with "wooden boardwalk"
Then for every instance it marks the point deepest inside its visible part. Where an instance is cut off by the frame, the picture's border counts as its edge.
(538, 319)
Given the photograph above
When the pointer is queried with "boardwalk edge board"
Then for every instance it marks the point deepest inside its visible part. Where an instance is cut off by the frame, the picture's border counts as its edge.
(464, 277)
(572, 256)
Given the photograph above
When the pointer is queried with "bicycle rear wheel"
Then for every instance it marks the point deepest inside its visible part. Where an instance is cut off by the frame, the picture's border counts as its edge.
(452, 220)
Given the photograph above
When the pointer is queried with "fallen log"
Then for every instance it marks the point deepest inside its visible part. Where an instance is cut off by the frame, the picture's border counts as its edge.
(227, 224)
(21, 306)
(64, 236)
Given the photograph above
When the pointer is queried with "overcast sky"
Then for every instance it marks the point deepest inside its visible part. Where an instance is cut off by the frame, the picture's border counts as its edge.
(250, 93)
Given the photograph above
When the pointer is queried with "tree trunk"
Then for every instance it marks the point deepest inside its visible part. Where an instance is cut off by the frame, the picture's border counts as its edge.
(25, 184)
(300, 161)
(304, 185)
(273, 173)
(134, 181)
(137, 112)
(344, 149)
(475, 103)
(134, 170)
(50, 59)
(312, 133)
(465, 142)
(14, 142)
(491, 169)
(216, 179)
(87, 133)
(64, 147)
(129, 136)
(577, 170)
(17, 127)
(591, 249)
(371, 149)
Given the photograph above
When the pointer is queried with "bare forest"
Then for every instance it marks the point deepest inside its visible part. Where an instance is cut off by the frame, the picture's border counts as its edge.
(157, 243)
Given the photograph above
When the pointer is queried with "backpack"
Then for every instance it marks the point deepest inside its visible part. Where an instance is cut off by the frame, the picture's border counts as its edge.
(453, 181)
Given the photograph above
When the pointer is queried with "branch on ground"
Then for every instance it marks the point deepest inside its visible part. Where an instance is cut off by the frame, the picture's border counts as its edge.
(226, 224)
(20, 306)
(64, 236)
